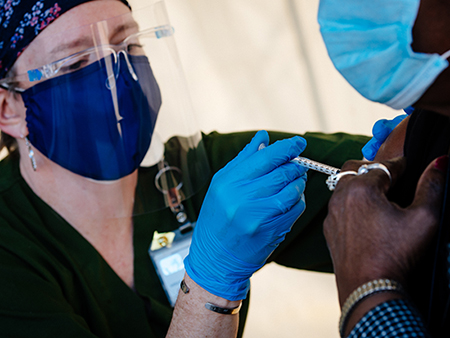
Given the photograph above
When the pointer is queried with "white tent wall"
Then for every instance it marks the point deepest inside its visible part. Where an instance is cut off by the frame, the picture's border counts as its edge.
(261, 64)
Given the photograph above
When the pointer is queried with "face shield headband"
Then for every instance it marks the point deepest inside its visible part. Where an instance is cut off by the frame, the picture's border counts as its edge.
(22, 20)
(94, 126)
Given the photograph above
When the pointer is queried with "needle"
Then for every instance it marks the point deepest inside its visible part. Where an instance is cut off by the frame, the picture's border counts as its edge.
(314, 165)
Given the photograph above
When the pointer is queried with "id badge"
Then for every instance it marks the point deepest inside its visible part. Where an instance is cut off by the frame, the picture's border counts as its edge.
(168, 251)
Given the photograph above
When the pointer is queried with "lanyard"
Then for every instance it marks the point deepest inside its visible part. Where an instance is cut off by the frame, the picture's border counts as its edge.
(168, 250)
(169, 182)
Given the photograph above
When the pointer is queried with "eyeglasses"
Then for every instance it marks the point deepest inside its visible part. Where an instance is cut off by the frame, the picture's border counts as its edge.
(132, 45)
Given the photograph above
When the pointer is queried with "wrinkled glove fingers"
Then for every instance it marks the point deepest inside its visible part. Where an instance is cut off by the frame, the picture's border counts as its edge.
(261, 137)
(273, 156)
(371, 148)
(278, 179)
(287, 219)
(384, 127)
(286, 198)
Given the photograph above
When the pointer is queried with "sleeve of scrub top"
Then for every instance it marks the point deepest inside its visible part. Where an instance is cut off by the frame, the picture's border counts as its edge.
(305, 246)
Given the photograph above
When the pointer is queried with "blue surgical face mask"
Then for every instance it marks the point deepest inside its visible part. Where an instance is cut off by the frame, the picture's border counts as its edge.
(79, 122)
(369, 43)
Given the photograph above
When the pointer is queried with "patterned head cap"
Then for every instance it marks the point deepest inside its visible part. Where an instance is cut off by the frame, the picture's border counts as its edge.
(22, 20)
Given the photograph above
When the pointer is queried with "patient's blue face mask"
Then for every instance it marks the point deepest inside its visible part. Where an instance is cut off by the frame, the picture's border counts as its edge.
(369, 43)
(92, 126)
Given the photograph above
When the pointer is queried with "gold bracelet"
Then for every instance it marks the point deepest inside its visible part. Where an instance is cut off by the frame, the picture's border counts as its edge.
(365, 290)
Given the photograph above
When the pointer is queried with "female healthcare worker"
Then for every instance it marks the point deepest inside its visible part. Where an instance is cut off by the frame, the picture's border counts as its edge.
(93, 225)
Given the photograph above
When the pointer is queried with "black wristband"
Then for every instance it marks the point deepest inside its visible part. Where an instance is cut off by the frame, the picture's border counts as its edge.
(222, 310)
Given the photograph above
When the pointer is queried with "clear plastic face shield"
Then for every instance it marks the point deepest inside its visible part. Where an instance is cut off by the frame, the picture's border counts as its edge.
(107, 106)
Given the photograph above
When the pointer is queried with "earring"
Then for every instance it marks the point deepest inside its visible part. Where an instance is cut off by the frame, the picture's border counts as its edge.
(31, 154)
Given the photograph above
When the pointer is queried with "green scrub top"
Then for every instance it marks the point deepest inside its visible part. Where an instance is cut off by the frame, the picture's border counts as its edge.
(55, 284)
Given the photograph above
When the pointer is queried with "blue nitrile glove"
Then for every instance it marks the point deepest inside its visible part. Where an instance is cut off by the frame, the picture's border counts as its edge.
(250, 206)
(381, 130)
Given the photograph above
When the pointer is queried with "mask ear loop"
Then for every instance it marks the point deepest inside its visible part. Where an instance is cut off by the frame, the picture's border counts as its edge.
(446, 55)
(110, 81)
(130, 67)
(117, 71)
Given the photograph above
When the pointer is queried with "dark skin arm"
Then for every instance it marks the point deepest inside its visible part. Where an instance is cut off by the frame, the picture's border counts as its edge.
(391, 148)
(370, 237)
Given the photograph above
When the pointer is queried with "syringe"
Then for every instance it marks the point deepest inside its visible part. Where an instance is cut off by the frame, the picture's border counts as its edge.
(314, 165)
(317, 166)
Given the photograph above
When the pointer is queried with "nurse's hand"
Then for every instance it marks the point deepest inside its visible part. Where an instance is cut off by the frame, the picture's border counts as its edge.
(381, 130)
(250, 206)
